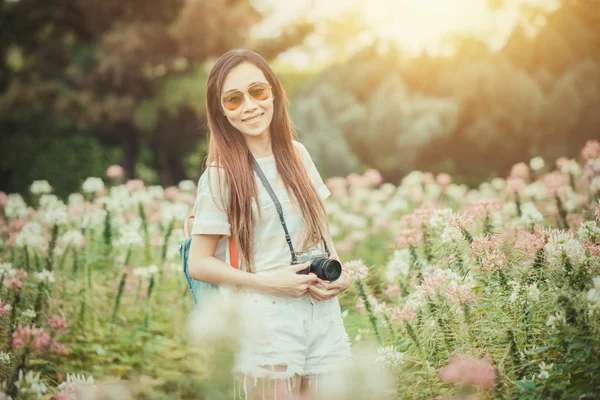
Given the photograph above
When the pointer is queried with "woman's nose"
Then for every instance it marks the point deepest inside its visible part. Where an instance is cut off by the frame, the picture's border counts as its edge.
(249, 102)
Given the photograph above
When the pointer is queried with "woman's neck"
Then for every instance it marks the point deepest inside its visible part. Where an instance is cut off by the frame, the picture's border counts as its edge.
(260, 146)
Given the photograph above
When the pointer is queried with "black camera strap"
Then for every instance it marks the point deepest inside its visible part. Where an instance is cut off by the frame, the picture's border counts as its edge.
(267, 186)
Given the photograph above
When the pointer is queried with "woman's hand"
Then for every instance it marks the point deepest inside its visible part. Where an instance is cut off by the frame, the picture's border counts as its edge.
(330, 289)
(288, 283)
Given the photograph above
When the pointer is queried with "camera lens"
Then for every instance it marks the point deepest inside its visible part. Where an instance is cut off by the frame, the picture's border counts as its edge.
(326, 268)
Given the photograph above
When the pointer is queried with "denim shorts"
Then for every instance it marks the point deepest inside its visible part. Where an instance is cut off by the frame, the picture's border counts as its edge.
(302, 336)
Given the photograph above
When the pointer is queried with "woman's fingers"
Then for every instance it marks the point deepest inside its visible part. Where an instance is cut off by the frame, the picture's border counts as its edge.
(323, 293)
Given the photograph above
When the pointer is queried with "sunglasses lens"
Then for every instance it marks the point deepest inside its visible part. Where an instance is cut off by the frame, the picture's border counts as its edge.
(260, 91)
(233, 100)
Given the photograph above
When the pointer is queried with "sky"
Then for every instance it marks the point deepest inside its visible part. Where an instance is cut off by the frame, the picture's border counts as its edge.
(416, 25)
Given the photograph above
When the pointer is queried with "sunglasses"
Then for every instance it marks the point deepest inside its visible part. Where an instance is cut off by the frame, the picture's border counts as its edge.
(259, 91)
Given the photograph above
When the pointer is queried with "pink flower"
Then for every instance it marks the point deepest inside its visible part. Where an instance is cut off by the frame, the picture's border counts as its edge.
(460, 294)
(520, 170)
(495, 261)
(393, 290)
(432, 282)
(381, 222)
(135, 185)
(171, 193)
(353, 178)
(482, 246)
(58, 324)
(63, 396)
(406, 314)
(407, 237)
(373, 177)
(13, 282)
(3, 199)
(460, 220)
(443, 179)
(427, 178)
(115, 171)
(32, 337)
(561, 161)
(515, 184)
(345, 246)
(591, 150)
(481, 207)
(58, 348)
(470, 370)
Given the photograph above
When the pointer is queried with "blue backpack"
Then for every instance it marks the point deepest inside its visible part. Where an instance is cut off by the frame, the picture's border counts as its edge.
(197, 288)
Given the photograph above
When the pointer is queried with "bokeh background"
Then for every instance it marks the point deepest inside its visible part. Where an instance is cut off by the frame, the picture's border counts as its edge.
(467, 87)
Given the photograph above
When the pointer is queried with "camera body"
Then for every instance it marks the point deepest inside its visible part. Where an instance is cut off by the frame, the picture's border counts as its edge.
(321, 265)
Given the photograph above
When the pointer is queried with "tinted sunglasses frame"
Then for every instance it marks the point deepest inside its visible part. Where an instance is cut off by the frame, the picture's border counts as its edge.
(247, 90)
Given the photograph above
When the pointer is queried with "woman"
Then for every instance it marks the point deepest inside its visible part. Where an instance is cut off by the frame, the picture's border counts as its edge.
(248, 120)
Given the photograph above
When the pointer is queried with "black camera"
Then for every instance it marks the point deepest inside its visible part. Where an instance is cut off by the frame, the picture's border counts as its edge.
(325, 268)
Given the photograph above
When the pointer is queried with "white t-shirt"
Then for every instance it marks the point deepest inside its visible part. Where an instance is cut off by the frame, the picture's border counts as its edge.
(270, 247)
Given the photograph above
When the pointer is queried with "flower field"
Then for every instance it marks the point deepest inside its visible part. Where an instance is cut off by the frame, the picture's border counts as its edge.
(491, 292)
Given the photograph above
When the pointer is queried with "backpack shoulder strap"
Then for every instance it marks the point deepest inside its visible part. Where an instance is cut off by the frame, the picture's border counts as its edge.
(233, 254)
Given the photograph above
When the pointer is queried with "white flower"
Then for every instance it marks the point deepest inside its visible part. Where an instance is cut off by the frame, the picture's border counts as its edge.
(593, 295)
(145, 271)
(536, 163)
(15, 206)
(5, 267)
(30, 384)
(544, 370)
(40, 187)
(451, 235)
(516, 288)
(187, 186)
(556, 320)
(75, 199)
(45, 276)
(533, 292)
(75, 382)
(398, 266)
(31, 236)
(571, 167)
(49, 201)
(440, 217)
(357, 269)
(73, 237)
(56, 215)
(30, 313)
(130, 237)
(509, 209)
(498, 183)
(92, 185)
(4, 358)
(588, 232)
(389, 356)
(537, 191)
(530, 214)
(562, 243)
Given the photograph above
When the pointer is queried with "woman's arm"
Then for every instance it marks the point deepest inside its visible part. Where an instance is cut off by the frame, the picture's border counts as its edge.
(204, 266)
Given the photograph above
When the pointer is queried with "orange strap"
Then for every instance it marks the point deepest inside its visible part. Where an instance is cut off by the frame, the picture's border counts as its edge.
(233, 254)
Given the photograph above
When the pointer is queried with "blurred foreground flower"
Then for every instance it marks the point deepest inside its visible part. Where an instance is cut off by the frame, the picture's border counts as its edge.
(115, 171)
(224, 317)
(469, 370)
(366, 379)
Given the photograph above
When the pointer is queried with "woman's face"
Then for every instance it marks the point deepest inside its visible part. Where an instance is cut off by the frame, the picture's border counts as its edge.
(253, 117)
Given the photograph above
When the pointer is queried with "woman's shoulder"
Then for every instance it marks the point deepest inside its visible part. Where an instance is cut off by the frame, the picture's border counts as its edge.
(301, 149)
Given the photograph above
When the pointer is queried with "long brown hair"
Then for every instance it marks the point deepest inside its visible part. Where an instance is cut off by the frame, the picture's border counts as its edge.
(227, 148)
